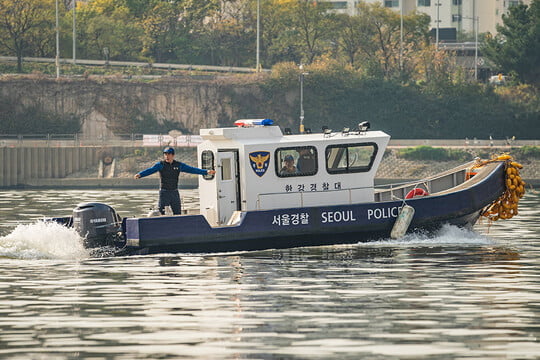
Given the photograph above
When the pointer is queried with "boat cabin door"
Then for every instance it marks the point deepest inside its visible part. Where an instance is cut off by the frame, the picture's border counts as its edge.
(228, 189)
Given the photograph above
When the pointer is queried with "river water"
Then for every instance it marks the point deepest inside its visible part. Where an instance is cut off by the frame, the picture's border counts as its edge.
(455, 295)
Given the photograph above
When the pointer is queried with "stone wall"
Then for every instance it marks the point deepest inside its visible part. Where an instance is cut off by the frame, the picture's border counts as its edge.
(108, 106)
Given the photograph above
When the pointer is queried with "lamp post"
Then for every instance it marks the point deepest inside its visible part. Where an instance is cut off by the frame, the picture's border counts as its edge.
(258, 66)
(74, 31)
(475, 17)
(57, 59)
(438, 4)
(401, 36)
(302, 74)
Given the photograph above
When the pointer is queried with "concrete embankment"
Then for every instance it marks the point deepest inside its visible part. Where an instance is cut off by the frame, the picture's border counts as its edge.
(81, 167)
(395, 168)
(22, 165)
(77, 167)
(100, 183)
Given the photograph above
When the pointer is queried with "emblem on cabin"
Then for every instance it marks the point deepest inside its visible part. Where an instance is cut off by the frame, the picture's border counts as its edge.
(259, 160)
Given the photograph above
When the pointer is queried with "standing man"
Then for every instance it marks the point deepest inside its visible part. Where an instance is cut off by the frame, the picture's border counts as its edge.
(169, 170)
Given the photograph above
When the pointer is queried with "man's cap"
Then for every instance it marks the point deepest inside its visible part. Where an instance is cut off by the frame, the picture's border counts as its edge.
(289, 158)
(168, 150)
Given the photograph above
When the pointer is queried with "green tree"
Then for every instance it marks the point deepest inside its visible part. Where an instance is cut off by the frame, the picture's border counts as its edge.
(20, 22)
(108, 24)
(230, 35)
(516, 47)
(313, 24)
(352, 34)
(172, 29)
(374, 39)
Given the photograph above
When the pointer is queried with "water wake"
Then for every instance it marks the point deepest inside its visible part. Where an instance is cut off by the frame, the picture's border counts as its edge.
(447, 235)
(42, 240)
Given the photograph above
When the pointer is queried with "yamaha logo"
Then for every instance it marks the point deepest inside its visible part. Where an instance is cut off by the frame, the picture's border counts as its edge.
(99, 220)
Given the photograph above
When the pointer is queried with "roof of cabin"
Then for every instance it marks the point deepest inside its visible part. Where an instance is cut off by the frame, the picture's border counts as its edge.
(273, 134)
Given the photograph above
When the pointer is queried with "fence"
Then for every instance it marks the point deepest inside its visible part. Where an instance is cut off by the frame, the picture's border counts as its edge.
(76, 140)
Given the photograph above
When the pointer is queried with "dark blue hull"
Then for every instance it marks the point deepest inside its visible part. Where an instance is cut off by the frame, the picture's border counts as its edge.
(311, 226)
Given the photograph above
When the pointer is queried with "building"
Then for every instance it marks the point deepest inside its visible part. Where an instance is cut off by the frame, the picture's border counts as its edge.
(455, 16)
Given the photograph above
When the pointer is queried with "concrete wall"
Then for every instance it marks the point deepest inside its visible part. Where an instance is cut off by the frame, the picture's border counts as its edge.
(20, 164)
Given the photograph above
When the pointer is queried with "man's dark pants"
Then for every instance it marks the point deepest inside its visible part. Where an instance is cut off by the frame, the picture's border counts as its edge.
(169, 198)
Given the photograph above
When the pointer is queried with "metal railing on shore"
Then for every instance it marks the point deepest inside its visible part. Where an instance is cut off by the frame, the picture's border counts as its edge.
(78, 140)
(162, 66)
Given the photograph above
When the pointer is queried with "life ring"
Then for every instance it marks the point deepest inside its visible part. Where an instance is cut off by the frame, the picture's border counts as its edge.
(470, 173)
(416, 192)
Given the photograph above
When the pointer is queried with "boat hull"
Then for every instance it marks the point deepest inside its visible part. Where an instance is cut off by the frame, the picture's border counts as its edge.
(312, 226)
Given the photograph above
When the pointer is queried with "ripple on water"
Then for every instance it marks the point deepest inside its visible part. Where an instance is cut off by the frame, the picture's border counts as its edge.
(455, 294)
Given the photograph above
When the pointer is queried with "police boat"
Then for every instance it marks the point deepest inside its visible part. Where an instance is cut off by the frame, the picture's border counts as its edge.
(276, 190)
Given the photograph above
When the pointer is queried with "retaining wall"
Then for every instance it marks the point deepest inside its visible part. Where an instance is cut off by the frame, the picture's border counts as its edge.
(19, 165)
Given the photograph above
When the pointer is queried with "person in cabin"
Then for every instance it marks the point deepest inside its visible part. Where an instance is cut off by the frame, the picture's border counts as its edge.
(306, 161)
(289, 167)
(169, 171)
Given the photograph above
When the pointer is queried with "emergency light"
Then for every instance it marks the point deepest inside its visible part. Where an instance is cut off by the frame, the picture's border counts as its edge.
(253, 122)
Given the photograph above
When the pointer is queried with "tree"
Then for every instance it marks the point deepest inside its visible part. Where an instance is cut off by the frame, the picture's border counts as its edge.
(172, 29)
(352, 34)
(378, 42)
(516, 47)
(313, 24)
(19, 19)
(108, 24)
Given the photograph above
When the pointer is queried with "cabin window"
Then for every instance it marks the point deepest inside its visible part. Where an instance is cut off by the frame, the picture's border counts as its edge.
(350, 158)
(207, 162)
(296, 161)
(226, 169)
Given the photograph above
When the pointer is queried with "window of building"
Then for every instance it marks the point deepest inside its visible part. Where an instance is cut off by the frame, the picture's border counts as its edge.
(457, 2)
(456, 18)
(207, 162)
(424, 2)
(391, 3)
(350, 158)
(296, 161)
(513, 3)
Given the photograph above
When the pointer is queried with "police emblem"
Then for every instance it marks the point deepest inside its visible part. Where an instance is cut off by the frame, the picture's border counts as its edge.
(259, 160)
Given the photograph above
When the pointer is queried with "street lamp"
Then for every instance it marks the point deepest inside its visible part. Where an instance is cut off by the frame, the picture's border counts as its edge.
(302, 74)
(258, 66)
(57, 59)
(438, 4)
(74, 31)
(401, 36)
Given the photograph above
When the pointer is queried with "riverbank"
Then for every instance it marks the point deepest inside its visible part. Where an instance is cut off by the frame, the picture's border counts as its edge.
(392, 169)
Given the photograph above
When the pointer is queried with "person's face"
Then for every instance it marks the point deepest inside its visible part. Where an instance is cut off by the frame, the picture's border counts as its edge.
(169, 157)
(289, 163)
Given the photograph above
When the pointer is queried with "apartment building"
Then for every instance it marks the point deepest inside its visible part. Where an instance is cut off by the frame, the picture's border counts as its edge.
(459, 15)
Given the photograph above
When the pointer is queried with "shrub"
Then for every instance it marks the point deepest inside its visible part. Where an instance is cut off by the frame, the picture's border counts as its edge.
(527, 152)
(430, 153)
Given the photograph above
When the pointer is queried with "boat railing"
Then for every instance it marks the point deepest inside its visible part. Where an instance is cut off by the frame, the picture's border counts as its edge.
(432, 185)
(346, 196)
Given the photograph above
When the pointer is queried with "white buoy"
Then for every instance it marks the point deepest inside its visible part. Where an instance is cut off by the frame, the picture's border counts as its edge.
(403, 221)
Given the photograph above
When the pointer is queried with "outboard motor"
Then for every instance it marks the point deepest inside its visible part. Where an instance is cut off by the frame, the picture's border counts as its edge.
(98, 224)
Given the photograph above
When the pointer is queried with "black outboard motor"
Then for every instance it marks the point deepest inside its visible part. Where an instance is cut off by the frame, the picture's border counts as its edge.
(98, 224)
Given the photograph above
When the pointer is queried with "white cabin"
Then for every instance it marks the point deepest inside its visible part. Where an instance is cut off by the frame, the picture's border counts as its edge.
(328, 169)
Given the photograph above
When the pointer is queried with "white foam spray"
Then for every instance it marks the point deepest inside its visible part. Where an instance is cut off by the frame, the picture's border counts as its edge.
(42, 240)
(447, 235)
